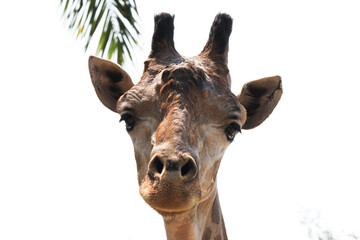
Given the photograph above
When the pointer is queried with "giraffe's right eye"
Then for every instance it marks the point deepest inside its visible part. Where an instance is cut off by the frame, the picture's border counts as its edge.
(129, 121)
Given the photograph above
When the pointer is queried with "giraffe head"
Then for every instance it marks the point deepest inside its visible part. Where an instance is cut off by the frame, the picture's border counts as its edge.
(182, 115)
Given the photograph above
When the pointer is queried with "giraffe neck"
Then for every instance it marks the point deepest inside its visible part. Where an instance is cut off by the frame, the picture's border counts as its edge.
(205, 222)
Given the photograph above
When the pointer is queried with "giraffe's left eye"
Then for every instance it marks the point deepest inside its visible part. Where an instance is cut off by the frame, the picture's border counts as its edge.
(129, 121)
(231, 130)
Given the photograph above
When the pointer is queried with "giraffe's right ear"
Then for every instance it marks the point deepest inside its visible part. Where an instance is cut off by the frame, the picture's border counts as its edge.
(109, 80)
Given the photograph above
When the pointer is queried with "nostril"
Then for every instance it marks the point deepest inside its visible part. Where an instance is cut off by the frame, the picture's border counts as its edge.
(186, 168)
(156, 166)
(162, 168)
(189, 169)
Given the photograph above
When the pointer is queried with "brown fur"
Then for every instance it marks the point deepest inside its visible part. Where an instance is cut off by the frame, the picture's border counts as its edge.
(181, 117)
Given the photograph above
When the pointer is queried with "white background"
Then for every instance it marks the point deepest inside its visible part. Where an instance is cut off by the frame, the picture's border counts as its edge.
(67, 169)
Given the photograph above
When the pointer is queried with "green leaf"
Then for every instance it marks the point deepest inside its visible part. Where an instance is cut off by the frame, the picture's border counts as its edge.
(117, 35)
(112, 47)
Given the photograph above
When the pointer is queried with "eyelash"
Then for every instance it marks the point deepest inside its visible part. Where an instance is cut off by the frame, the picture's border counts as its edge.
(231, 131)
(129, 121)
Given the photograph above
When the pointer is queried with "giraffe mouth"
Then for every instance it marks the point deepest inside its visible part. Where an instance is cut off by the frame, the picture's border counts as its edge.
(169, 197)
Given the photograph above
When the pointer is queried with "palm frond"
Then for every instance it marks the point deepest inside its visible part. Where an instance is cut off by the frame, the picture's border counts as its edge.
(119, 28)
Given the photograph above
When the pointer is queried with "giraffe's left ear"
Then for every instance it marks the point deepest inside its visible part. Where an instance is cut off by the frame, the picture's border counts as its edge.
(259, 98)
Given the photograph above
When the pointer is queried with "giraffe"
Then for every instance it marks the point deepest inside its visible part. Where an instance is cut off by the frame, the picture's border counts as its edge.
(181, 116)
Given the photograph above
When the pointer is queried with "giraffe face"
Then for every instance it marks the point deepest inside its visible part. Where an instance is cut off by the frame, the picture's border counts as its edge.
(181, 120)
(182, 115)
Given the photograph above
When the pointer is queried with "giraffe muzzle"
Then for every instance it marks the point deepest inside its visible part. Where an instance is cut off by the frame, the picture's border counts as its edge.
(171, 185)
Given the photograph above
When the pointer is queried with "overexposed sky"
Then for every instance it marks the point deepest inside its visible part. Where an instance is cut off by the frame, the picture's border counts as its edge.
(67, 169)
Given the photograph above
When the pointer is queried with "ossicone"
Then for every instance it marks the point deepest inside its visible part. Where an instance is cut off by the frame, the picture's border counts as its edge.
(163, 37)
(217, 45)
